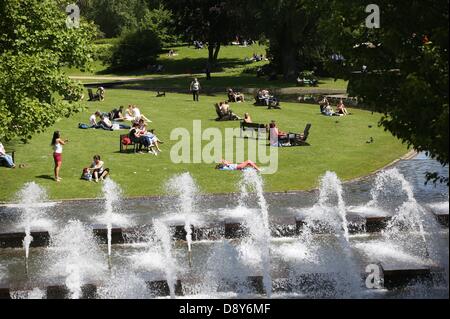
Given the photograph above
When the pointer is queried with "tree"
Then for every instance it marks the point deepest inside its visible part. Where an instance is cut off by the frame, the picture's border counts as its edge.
(215, 22)
(35, 44)
(292, 29)
(399, 69)
(135, 49)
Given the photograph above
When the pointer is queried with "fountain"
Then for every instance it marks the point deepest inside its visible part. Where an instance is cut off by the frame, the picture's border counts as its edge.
(31, 197)
(112, 195)
(75, 255)
(162, 233)
(185, 189)
(329, 215)
(258, 225)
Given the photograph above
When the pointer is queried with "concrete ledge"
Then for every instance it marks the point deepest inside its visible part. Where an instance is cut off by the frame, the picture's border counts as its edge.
(376, 224)
(117, 237)
(5, 293)
(397, 278)
(234, 229)
(15, 240)
(88, 291)
(161, 288)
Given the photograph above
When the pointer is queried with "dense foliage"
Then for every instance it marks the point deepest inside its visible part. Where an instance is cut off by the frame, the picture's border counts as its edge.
(35, 44)
(399, 69)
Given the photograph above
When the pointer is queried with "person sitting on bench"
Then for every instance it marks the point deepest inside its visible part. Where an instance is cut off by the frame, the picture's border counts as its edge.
(152, 139)
(137, 138)
(228, 166)
(276, 135)
(5, 158)
(247, 119)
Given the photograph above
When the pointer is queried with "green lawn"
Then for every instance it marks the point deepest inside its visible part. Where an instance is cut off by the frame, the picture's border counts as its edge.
(231, 71)
(338, 144)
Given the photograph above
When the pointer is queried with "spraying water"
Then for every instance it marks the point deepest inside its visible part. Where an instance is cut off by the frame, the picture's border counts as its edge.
(75, 255)
(393, 190)
(184, 187)
(31, 197)
(330, 214)
(259, 226)
(112, 194)
(164, 237)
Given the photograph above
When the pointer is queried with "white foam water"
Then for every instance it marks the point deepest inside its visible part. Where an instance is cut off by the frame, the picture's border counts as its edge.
(33, 215)
(112, 194)
(75, 255)
(186, 191)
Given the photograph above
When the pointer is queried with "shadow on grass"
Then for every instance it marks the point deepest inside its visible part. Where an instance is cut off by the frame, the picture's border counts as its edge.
(180, 66)
(47, 177)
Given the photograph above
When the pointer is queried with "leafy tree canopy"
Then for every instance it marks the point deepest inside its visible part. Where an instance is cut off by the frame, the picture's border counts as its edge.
(35, 44)
(399, 69)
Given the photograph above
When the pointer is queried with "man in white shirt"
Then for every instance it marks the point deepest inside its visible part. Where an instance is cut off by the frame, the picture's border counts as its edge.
(5, 158)
(195, 89)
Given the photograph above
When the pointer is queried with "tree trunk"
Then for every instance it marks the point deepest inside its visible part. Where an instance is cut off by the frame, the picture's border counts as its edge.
(216, 53)
(289, 64)
(211, 53)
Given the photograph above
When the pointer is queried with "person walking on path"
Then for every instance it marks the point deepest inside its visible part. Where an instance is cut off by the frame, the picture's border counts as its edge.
(195, 89)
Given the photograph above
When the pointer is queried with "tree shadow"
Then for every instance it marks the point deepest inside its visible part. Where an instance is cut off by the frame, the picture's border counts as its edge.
(180, 66)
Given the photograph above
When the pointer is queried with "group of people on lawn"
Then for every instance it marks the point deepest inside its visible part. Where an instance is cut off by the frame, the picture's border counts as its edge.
(327, 110)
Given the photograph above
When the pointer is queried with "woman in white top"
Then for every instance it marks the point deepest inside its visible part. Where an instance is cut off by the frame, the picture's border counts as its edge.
(97, 169)
(57, 144)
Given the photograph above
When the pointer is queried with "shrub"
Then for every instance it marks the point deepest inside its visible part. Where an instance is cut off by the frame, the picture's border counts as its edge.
(135, 49)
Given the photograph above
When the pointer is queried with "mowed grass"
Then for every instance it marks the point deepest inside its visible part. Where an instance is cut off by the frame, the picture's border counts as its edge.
(231, 71)
(337, 144)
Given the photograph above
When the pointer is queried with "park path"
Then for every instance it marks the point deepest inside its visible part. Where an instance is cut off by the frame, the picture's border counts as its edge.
(113, 81)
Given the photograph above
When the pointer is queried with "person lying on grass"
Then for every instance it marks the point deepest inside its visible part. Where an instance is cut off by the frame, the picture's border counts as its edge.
(228, 166)
(96, 170)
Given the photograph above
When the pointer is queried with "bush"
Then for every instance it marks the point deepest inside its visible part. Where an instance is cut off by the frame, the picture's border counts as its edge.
(135, 49)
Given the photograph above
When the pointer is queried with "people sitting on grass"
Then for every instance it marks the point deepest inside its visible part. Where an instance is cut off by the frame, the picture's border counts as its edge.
(341, 109)
(133, 114)
(96, 171)
(225, 113)
(247, 118)
(6, 159)
(323, 104)
(101, 93)
(117, 115)
(104, 123)
(235, 97)
(265, 98)
(229, 166)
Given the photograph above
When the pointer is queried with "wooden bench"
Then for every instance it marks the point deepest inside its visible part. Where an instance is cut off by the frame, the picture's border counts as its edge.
(124, 148)
(254, 127)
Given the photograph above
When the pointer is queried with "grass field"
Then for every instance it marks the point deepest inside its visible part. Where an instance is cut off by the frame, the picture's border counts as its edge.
(232, 70)
(337, 144)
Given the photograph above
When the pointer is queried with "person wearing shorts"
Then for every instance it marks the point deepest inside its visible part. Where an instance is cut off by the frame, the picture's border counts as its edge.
(57, 144)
